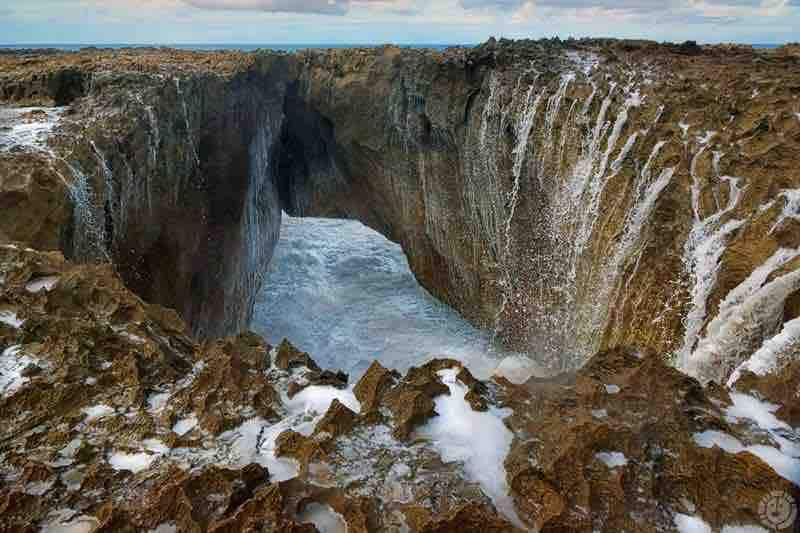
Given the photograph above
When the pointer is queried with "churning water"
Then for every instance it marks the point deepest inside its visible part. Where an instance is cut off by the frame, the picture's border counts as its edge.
(345, 294)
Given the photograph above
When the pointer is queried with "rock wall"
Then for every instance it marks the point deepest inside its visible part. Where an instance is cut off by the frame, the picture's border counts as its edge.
(570, 196)
(170, 177)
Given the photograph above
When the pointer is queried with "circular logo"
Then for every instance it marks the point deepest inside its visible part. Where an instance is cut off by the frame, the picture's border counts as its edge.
(777, 510)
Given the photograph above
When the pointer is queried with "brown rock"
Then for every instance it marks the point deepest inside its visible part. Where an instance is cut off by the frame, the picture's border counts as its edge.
(338, 420)
(373, 385)
(288, 357)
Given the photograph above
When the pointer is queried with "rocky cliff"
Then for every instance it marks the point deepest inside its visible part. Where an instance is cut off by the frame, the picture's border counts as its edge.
(166, 176)
(572, 196)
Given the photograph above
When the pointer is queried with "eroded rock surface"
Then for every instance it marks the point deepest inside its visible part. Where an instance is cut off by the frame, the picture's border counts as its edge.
(573, 196)
(113, 419)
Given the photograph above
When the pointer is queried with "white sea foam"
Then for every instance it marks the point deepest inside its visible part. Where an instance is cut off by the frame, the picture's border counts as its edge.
(479, 440)
(691, 524)
(45, 283)
(612, 459)
(775, 351)
(12, 363)
(324, 518)
(97, 412)
(185, 425)
(10, 318)
(135, 462)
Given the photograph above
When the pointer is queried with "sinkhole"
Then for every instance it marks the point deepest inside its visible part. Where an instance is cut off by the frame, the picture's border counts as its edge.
(345, 294)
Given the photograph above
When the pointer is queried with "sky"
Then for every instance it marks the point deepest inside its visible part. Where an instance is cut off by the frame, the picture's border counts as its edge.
(392, 21)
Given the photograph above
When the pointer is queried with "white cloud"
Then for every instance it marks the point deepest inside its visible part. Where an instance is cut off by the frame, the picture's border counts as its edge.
(523, 10)
(325, 7)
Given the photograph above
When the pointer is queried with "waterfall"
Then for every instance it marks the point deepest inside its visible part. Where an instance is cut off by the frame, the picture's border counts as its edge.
(777, 350)
(482, 191)
(745, 319)
(88, 236)
(637, 218)
(702, 255)
(791, 208)
(524, 127)
(186, 121)
(155, 134)
(553, 107)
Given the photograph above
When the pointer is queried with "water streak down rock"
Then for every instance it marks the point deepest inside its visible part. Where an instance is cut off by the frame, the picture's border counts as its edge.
(572, 196)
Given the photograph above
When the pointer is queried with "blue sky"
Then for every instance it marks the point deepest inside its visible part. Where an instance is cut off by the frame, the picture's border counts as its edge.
(397, 21)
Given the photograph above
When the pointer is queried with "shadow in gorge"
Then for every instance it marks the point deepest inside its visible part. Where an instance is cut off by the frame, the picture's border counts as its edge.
(338, 287)
(345, 294)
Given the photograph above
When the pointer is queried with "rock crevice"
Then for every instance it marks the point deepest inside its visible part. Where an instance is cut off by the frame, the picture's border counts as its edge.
(571, 196)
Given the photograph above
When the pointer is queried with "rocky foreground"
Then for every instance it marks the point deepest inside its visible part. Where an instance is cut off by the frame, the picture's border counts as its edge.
(576, 197)
(113, 419)
(573, 196)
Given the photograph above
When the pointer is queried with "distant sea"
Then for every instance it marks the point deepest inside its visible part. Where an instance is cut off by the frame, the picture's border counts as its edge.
(72, 47)
(206, 47)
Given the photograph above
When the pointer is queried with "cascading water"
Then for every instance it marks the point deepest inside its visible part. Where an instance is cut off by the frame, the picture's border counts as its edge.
(88, 235)
(733, 334)
(29, 129)
(187, 121)
(260, 224)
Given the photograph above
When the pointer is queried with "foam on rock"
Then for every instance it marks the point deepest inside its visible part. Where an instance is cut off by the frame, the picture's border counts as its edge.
(13, 363)
(325, 519)
(134, 462)
(478, 440)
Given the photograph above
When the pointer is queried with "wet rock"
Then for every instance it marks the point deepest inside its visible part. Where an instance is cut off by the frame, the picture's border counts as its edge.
(411, 400)
(231, 385)
(33, 201)
(288, 357)
(373, 386)
(724, 119)
(470, 517)
(778, 388)
(338, 420)
(597, 439)
(323, 378)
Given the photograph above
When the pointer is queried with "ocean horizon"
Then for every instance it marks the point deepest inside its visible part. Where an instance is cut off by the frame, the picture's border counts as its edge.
(74, 47)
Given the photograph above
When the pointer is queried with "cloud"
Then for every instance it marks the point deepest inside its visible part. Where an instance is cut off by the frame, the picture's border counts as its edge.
(322, 7)
(328, 7)
(670, 9)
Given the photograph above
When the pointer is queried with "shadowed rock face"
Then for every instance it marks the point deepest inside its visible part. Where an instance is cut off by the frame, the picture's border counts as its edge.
(571, 196)
(169, 177)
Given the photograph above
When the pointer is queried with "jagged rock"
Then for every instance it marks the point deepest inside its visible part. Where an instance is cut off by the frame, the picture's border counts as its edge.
(411, 400)
(33, 201)
(325, 378)
(779, 388)
(616, 440)
(231, 384)
(179, 191)
(373, 385)
(470, 517)
(288, 357)
(338, 420)
(162, 166)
